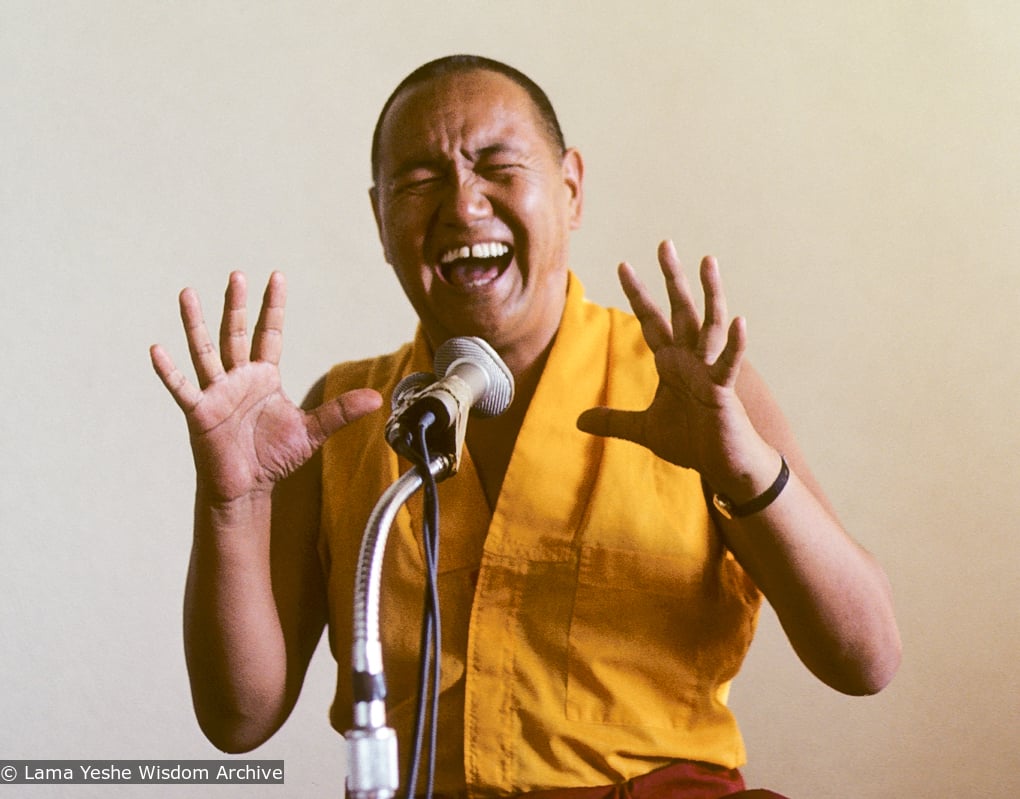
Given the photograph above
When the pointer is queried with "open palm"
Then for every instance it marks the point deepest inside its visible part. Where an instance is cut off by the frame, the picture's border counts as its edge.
(245, 433)
(695, 417)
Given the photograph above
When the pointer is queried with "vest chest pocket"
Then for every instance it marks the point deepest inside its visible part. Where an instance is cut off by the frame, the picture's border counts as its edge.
(652, 638)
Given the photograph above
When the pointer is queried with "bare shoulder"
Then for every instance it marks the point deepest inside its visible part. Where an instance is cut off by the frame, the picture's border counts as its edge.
(763, 409)
(295, 497)
(298, 582)
(772, 424)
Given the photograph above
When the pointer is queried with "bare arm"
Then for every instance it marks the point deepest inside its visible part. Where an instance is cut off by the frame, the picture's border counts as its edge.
(254, 603)
(712, 413)
(831, 595)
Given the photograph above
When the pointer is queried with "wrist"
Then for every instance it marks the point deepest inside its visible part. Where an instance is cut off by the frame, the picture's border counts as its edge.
(221, 514)
(753, 498)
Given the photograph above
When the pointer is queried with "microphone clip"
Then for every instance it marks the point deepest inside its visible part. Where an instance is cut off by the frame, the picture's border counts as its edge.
(447, 401)
(470, 378)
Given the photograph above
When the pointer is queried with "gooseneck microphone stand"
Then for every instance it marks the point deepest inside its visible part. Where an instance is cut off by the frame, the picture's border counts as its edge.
(372, 770)
(429, 415)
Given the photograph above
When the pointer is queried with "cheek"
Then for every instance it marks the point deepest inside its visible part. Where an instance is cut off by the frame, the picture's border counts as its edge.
(404, 224)
(542, 207)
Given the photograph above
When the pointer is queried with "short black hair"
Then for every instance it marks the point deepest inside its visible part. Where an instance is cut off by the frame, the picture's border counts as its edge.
(455, 64)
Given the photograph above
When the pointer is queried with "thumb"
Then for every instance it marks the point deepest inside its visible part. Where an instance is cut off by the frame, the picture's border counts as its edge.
(334, 414)
(628, 425)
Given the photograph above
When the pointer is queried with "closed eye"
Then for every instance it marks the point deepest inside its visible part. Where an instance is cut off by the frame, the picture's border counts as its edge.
(498, 159)
(417, 181)
(497, 170)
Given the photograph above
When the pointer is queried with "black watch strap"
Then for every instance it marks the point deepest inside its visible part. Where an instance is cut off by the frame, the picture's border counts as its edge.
(727, 508)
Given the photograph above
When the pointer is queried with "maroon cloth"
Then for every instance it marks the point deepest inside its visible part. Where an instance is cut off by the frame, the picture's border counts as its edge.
(684, 779)
(757, 793)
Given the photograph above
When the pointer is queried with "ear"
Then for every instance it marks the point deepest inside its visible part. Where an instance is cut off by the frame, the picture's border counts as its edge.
(573, 179)
(373, 196)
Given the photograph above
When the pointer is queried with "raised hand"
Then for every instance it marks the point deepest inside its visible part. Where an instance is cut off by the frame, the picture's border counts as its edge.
(696, 419)
(245, 433)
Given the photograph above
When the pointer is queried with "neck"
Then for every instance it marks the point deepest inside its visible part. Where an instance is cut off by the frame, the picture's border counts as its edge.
(491, 441)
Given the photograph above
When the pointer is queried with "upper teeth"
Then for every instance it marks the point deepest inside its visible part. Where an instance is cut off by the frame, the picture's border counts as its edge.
(488, 249)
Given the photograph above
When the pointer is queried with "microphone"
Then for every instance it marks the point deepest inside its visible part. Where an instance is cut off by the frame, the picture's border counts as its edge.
(469, 378)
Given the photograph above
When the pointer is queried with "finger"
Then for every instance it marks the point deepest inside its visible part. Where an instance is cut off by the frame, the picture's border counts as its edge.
(654, 325)
(206, 360)
(727, 366)
(268, 340)
(611, 423)
(713, 331)
(184, 393)
(234, 324)
(329, 417)
(684, 316)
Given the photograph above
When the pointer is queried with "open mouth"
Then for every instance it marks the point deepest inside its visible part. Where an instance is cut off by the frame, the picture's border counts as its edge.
(476, 265)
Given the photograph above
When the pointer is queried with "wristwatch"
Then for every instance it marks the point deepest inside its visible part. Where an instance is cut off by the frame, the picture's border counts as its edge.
(731, 510)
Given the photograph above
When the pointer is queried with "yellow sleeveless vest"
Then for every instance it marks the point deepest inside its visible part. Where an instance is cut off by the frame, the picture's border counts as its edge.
(590, 629)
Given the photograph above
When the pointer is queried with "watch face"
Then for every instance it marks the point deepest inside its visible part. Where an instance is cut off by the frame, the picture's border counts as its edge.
(723, 505)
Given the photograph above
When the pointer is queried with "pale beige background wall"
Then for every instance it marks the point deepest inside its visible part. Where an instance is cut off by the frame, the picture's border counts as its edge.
(856, 167)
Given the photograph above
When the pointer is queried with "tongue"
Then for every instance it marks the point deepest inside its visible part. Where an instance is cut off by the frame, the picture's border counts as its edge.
(472, 272)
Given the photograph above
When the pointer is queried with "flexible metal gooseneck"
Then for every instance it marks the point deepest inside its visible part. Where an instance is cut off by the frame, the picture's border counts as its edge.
(372, 767)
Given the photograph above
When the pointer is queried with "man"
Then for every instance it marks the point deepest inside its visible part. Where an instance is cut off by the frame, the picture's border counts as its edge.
(601, 567)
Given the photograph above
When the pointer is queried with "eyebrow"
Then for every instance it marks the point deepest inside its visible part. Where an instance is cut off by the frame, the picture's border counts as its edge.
(411, 164)
(499, 148)
(437, 162)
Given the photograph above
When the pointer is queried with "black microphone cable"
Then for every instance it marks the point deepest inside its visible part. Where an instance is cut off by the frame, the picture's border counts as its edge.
(431, 632)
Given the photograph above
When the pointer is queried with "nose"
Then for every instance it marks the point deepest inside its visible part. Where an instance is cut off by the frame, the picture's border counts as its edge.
(465, 200)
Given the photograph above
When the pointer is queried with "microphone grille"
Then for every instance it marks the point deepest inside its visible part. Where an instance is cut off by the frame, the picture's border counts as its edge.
(500, 392)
